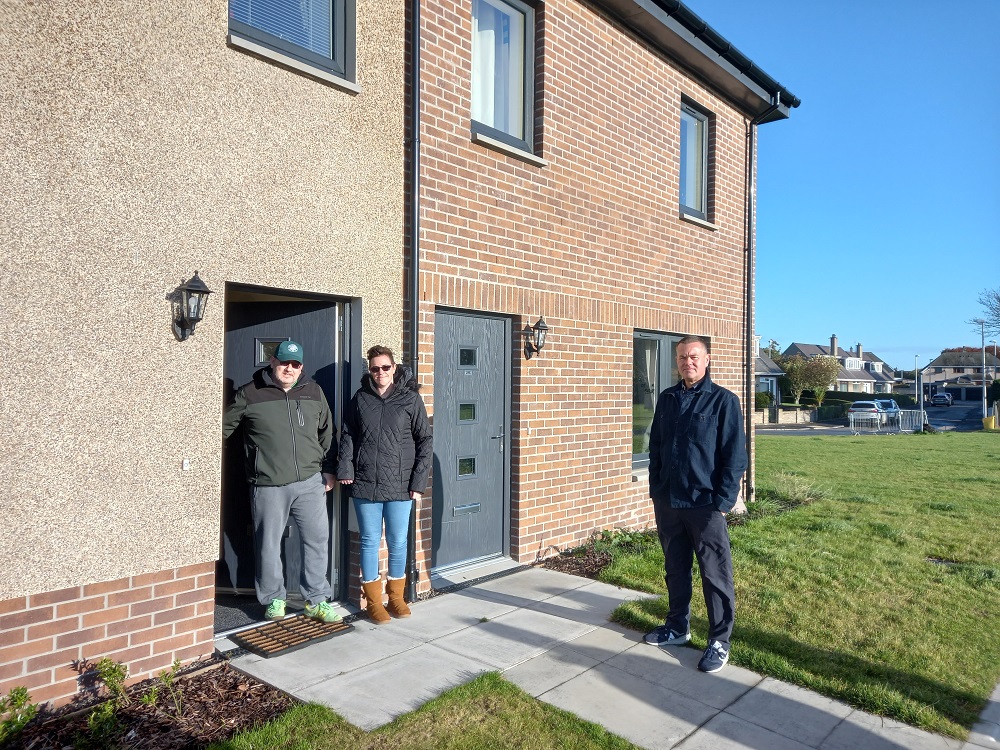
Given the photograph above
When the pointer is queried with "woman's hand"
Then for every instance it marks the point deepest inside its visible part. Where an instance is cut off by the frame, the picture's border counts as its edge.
(415, 496)
(347, 481)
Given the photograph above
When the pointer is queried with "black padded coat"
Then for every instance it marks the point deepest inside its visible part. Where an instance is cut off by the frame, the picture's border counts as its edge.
(386, 445)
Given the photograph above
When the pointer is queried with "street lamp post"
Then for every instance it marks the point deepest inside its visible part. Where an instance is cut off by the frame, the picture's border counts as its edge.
(981, 322)
(920, 390)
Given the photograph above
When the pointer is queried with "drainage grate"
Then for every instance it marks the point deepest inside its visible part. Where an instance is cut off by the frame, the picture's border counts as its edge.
(290, 634)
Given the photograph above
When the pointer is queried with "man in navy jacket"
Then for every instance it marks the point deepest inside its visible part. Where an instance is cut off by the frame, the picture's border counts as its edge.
(697, 458)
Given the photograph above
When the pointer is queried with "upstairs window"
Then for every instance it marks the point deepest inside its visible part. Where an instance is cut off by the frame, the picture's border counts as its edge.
(694, 162)
(503, 33)
(316, 36)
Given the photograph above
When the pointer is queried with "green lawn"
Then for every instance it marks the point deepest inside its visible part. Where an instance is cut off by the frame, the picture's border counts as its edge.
(882, 591)
(488, 713)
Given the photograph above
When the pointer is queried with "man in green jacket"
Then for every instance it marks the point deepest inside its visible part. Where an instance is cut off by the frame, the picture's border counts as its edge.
(288, 434)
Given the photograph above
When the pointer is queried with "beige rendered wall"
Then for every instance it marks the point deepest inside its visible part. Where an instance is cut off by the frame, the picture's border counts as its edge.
(137, 148)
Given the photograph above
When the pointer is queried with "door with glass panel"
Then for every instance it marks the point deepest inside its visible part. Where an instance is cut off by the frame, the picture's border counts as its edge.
(471, 507)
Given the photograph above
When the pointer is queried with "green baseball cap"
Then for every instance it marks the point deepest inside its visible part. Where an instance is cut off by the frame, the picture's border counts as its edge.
(288, 351)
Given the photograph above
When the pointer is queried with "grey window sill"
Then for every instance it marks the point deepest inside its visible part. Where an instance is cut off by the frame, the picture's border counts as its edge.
(291, 62)
(699, 222)
(640, 475)
(517, 153)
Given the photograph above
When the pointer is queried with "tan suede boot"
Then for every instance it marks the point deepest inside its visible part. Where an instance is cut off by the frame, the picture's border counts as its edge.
(373, 595)
(397, 605)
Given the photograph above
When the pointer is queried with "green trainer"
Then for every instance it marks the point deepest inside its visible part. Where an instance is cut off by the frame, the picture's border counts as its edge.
(322, 612)
(275, 610)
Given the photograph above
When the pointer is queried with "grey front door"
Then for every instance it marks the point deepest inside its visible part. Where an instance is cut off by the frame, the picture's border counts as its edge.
(255, 323)
(471, 439)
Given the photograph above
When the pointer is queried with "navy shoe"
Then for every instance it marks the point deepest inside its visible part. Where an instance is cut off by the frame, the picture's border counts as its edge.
(715, 658)
(664, 636)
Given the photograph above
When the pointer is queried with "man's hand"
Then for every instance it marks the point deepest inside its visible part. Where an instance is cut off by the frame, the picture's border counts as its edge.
(328, 481)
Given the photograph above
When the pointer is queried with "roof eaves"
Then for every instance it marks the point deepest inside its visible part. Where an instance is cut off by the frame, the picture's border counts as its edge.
(678, 32)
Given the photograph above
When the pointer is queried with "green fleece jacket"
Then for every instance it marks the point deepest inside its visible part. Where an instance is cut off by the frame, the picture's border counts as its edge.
(287, 434)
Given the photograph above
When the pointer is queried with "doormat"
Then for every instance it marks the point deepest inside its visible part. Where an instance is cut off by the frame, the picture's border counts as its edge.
(291, 634)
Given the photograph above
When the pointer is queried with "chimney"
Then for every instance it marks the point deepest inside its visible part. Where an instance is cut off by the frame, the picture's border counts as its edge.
(833, 345)
(861, 352)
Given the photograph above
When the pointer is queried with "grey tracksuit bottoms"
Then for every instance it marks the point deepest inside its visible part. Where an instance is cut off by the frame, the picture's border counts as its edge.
(305, 503)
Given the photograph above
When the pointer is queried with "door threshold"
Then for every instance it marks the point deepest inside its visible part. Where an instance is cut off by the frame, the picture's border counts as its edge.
(474, 572)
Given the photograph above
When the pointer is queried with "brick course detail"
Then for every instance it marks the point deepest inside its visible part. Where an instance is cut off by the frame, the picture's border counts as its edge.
(143, 621)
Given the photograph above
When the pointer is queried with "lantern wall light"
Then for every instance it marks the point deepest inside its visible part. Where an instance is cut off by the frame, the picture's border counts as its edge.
(188, 302)
(534, 337)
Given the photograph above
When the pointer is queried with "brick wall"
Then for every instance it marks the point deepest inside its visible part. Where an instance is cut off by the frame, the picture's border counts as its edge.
(592, 241)
(144, 621)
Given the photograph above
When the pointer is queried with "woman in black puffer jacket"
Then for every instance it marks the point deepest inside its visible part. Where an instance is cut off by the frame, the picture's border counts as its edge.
(385, 457)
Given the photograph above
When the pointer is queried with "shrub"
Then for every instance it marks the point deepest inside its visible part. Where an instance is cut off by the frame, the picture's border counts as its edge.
(762, 400)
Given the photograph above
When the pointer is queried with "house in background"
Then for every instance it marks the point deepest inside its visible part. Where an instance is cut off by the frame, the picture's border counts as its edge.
(584, 169)
(860, 371)
(767, 374)
(960, 372)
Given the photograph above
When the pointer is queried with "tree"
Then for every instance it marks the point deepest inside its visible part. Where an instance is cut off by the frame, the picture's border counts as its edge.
(820, 374)
(772, 350)
(990, 300)
(795, 379)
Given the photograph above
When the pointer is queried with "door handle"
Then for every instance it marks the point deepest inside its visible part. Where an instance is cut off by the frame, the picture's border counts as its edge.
(499, 437)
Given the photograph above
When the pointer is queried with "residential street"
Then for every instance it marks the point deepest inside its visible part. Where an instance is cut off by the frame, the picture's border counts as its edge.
(963, 416)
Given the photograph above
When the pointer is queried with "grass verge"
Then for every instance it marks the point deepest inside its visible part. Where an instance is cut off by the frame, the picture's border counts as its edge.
(869, 571)
(488, 713)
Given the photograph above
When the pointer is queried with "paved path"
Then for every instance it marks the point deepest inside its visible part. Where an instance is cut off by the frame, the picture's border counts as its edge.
(549, 633)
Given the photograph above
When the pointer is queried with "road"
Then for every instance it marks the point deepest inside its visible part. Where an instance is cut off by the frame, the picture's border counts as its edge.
(963, 416)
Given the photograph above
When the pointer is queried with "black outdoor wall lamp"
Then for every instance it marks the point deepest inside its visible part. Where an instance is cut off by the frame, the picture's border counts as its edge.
(534, 337)
(188, 302)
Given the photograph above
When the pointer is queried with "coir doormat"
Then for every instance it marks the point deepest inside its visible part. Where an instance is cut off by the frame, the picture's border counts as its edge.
(290, 634)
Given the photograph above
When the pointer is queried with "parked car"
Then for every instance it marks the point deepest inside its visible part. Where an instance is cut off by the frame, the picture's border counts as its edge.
(941, 399)
(891, 409)
(869, 409)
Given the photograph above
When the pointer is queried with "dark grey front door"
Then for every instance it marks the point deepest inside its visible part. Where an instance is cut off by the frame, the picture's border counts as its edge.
(471, 443)
(255, 323)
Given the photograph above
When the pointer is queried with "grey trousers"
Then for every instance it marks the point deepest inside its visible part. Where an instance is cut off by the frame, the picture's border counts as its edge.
(305, 503)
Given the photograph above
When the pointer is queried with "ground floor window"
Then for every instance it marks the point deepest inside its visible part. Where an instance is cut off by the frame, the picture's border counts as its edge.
(653, 369)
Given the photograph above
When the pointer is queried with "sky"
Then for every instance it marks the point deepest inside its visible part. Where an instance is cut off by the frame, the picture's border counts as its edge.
(878, 200)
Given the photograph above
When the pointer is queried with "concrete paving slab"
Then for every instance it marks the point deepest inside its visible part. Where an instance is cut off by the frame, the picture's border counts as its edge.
(441, 615)
(525, 588)
(983, 734)
(605, 642)
(726, 732)
(593, 603)
(863, 730)
(790, 711)
(512, 638)
(549, 670)
(676, 668)
(320, 661)
(371, 697)
(991, 712)
(645, 714)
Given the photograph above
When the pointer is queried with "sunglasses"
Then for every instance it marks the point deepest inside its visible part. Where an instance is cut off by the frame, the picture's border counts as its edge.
(375, 368)
(293, 364)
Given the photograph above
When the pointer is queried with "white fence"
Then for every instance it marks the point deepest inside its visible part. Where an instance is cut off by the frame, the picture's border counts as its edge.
(874, 424)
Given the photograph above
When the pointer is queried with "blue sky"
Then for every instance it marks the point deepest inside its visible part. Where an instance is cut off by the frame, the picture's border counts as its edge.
(879, 198)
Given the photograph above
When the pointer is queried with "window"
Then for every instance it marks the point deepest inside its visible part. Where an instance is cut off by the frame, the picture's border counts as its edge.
(694, 162)
(653, 369)
(503, 48)
(315, 36)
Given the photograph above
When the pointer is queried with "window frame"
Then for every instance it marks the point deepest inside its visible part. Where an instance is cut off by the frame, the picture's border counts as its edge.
(478, 129)
(667, 375)
(339, 68)
(695, 112)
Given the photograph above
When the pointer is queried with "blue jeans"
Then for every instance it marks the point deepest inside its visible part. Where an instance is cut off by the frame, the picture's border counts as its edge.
(371, 513)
